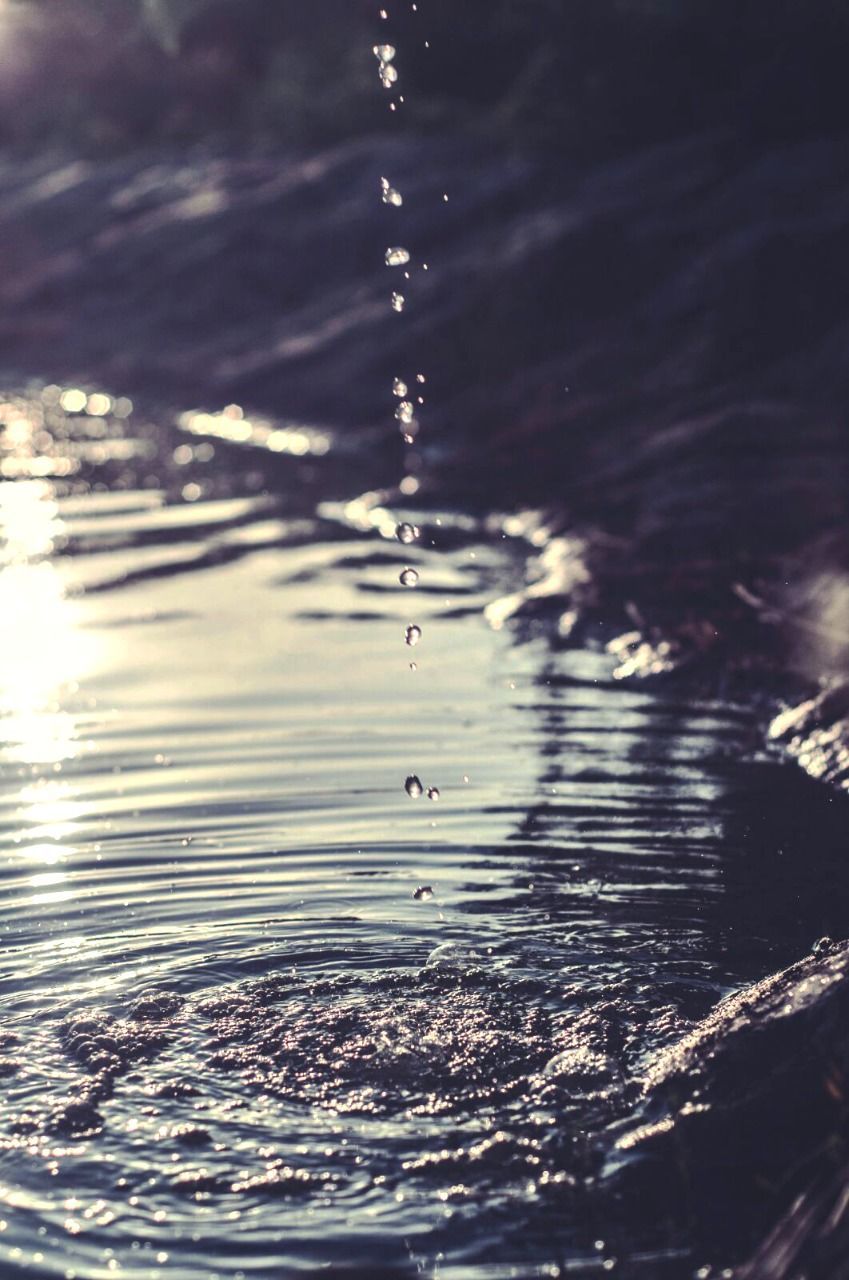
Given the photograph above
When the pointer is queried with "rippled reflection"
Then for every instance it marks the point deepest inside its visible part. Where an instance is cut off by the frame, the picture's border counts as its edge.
(45, 655)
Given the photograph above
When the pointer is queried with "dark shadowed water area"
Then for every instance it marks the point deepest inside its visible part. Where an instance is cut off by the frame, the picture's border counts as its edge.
(262, 1010)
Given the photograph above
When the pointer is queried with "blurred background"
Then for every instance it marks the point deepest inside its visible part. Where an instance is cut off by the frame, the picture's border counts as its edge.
(627, 223)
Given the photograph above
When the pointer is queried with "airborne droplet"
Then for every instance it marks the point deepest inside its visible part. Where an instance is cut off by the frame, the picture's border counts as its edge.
(397, 257)
(399, 387)
(433, 793)
(423, 892)
(406, 533)
(398, 301)
(413, 634)
(384, 52)
(413, 787)
(389, 195)
(408, 577)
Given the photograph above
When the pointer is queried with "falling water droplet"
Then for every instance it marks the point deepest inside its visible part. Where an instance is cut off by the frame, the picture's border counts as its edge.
(414, 666)
(404, 412)
(398, 302)
(384, 52)
(433, 793)
(406, 533)
(413, 634)
(397, 257)
(408, 577)
(423, 892)
(388, 75)
(413, 787)
(420, 377)
(399, 387)
(389, 195)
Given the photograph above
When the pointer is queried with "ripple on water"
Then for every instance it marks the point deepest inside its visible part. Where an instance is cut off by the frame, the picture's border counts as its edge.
(243, 977)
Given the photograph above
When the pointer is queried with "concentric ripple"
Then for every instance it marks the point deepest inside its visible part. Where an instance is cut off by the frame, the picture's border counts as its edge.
(265, 1008)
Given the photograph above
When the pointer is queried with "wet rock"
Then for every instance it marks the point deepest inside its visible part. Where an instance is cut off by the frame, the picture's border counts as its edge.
(812, 1239)
(755, 1090)
(816, 734)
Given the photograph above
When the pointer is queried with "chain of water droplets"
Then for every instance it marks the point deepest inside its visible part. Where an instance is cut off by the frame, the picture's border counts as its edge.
(405, 411)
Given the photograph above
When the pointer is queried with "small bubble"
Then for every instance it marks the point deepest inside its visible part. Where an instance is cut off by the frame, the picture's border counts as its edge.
(406, 533)
(397, 256)
(398, 301)
(423, 892)
(413, 634)
(399, 387)
(413, 787)
(433, 793)
(408, 577)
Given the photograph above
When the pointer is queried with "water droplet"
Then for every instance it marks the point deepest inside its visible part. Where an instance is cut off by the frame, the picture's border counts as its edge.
(408, 577)
(389, 195)
(388, 75)
(397, 257)
(406, 533)
(413, 787)
(384, 52)
(404, 412)
(423, 892)
(384, 15)
(398, 301)
(420, 377)
(433, 793)
(399, 387)
(413, 634)
(822, 946)
(414, 666)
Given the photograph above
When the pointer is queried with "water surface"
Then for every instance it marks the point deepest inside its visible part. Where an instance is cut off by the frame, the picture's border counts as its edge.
(262, 1010)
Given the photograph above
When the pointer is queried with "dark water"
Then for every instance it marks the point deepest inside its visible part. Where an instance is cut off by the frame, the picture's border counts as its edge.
(236, 1041)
